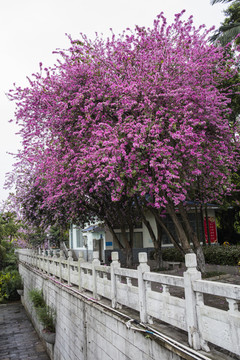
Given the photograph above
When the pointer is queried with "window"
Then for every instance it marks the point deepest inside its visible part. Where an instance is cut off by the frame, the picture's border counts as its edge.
(137, 240)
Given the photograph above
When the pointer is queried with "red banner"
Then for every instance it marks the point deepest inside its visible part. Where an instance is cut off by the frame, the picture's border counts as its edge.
(212, 229)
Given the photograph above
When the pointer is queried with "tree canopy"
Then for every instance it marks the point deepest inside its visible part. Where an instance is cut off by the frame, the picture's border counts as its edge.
(140, 117)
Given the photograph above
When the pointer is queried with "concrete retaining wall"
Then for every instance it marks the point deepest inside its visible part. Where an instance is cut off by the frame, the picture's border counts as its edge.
(87, 331)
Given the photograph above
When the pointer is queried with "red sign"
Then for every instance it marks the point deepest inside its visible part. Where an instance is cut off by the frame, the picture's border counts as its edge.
(212, 229)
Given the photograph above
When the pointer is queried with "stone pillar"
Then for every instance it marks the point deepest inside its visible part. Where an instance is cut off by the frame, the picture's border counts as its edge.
(70, 259)
(114, 265)
(60, 265)
(80, 261)
(142, 268)
(54, 263)
(234, 327)
(43, 266)
(95, 262)
(39, 258)
(48, 262)
(191, 275)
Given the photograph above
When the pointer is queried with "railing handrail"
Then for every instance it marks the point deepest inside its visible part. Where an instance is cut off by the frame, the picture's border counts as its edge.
(187, 313)
(218, 289)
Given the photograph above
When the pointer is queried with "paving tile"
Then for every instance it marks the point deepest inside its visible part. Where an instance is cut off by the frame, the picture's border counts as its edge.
(18, 339)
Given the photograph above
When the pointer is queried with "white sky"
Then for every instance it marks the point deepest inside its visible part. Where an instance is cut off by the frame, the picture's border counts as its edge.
(31, 29)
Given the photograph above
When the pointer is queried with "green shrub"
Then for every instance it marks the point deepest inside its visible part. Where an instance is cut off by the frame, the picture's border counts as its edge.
(19, 282)
(217, 255)
(210, 274)
(4, 280)
(36, 296)
(172, 254)
(9, 283)
(7, 256)
(46, 316)
(222, 255)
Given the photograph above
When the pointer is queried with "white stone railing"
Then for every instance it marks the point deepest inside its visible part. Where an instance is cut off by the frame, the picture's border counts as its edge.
(139, 290)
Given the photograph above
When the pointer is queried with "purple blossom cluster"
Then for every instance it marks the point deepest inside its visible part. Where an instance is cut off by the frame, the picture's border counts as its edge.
(139, 116)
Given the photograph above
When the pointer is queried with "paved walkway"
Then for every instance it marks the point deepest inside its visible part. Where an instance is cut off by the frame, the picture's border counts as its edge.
(18, 339)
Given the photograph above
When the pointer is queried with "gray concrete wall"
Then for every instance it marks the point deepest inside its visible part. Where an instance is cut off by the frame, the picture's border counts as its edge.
(86, 330)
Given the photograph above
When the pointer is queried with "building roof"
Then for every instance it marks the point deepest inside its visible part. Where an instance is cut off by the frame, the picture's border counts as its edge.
(93, 228)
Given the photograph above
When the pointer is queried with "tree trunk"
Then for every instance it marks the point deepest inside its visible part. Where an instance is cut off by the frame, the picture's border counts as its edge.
(157, 240)
(179, 229)
(127, 250)
(156, 243)
(115, 238)
(158, 250)
(193, 238)
(169, 234)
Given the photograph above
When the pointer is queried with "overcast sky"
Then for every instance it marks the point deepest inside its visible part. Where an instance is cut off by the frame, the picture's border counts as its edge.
(31, 29)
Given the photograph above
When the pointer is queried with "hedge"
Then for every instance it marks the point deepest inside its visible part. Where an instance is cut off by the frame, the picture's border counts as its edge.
(217, 255)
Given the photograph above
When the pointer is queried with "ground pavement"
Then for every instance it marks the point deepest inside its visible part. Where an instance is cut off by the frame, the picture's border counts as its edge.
(18, 339)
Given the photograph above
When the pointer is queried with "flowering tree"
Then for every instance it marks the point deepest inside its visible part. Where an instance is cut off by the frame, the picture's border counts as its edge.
(138, 119)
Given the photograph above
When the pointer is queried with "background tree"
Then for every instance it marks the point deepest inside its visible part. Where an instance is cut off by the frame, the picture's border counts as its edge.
(230, 28)
(10, 228)
(228, 214)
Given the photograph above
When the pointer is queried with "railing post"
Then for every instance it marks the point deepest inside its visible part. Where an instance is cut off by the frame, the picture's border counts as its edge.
(35, 258)
(80, 261)
(31, 257)
(70, 259)
(142, 268)
(95, 263)
(48, 262)
(191, 275)
(54, 263)
(43, 261)
(39, 259)
(114, 265)
(60, 265)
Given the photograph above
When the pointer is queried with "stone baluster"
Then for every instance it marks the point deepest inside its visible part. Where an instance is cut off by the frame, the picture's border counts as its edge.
(234, 327)
(70, 259)
(39, 259)
(35, 257)
(191, 275)
(60, 265)
(95, 262)
(30, 258)
(43, 261)
(165, 289)
(129, 281)
(232, 306)
(54, 263)
(114, 265)
(142, 268)
(80, 261)
(48, 262)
